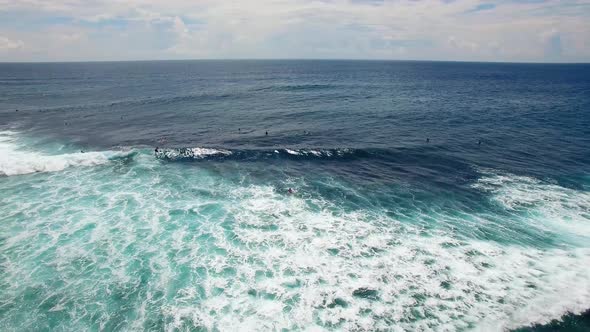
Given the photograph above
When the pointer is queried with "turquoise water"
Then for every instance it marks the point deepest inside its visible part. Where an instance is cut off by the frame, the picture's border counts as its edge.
(131, 242)
(485, 226)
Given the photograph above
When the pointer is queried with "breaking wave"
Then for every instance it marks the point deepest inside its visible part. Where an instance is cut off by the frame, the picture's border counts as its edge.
(187, 154)
(16, 160)
(182, 248)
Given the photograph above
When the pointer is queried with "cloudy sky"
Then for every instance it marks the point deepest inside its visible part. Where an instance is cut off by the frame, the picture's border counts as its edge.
(494, 30)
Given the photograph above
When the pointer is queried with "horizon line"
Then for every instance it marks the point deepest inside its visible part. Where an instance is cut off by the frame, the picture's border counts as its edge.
(293, 59)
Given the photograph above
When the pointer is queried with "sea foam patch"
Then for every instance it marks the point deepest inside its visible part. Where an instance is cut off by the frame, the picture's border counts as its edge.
(190, 153)
(363, 271)
(189, 249)
(16, 159)
(545, 203)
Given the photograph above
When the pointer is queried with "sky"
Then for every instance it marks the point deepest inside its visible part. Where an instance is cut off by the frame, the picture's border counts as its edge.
(457, 30)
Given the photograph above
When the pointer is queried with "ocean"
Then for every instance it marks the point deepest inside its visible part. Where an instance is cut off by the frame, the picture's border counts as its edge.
(427, 196)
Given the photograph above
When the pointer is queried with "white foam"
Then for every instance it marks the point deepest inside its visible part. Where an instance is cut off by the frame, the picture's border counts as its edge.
(295, 263)
(196, 153)
(306, 152)
(330, 255)
(293, 152)
(204, 152)
(553, 205)
(16, 160)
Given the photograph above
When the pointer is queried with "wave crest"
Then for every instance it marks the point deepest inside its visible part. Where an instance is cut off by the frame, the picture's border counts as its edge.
(17, 160)
(200, 153)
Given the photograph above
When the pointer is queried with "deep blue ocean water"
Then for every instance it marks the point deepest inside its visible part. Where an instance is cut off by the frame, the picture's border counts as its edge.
(428, 195)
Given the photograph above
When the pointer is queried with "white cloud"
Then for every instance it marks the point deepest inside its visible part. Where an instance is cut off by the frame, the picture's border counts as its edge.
(9, 44)
(429, 29)
(71, 37)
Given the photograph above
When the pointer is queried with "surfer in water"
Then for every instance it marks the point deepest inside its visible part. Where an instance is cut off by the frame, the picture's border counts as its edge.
(290, 191)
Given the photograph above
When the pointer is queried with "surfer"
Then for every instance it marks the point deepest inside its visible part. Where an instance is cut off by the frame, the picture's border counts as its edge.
(156, 150)
(267, 133)
(479, 142)
(427, 140)
(291, 191)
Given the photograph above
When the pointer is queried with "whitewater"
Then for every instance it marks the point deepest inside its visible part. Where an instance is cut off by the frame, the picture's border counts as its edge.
(137, 243)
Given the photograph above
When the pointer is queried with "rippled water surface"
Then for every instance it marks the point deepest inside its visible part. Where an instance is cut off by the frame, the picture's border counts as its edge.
(427, 196)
